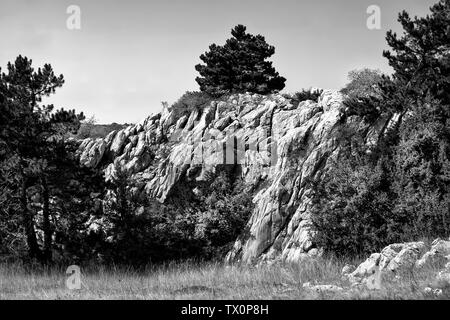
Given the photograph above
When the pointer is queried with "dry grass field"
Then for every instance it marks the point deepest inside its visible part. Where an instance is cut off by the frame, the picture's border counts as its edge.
(203, 281)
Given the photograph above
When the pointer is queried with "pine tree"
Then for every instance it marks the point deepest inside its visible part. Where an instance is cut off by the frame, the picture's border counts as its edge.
(239, 66)
(421, 56)
(30, 132)
(406, 177)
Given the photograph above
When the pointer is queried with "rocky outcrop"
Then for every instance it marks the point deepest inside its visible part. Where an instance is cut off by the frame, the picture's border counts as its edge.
(437, 256)
(280, 147)
(399, 259)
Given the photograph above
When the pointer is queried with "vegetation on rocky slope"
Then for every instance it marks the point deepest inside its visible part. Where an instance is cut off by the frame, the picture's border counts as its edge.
(398, 189)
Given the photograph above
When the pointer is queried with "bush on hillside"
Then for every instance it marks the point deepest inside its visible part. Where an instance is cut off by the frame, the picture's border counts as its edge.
(190, 101)
(227, 208)
(91, 129)
(421, 179)
(304, 95)
(352, 207)
(400, 192)
(363, 83)
(363, 95)
(141, 230)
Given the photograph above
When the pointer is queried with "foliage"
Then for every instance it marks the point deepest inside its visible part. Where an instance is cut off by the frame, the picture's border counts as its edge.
(305, 95)
(352, 206)
(54, 210)
(422, 172)
(421, 56)
(86, 128)
(190, 101)
(363, 83)
(363, 94)
(89, 128)
(239, 66)
(76, 195)
(138, 230)
(228, 206)
(400, 190)
(33, 149)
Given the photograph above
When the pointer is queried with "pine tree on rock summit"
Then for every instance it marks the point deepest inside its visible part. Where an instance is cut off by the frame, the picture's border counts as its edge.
(239, 66)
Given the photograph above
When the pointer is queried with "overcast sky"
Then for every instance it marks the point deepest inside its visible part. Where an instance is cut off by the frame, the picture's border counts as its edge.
(131, 55)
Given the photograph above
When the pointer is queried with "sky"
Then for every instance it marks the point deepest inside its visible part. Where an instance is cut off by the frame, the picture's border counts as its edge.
(128, 56)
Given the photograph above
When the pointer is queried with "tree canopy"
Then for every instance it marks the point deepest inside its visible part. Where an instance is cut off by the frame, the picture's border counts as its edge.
(239, 66)
(33, 154)
(421, 56)
(400, 190)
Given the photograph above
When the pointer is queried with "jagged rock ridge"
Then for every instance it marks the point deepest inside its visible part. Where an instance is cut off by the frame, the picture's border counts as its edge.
(280, 147)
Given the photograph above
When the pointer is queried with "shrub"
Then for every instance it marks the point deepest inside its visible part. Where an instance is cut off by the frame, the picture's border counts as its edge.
(305, 95)
(363, 83)
(363, 94)
(399, 193)
(190, 101)
(352, 206)
(422, 171)
(138, 230)
(86, 128)
(228, 206)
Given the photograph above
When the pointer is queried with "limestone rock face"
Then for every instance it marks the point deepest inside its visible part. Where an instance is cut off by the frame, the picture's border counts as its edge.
(394, 258)
(280, 148)
(93, 152)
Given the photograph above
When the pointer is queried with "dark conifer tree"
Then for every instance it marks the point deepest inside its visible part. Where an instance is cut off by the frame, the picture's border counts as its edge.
(28, 136)
(421, 56)
(239, 66)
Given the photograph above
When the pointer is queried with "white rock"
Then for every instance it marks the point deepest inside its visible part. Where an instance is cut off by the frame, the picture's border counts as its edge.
(367, 268)
(407, 257)
(347, 269)
(436, 257)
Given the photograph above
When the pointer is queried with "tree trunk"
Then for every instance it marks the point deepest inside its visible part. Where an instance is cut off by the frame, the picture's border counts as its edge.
(28, 221)
(47, 254)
